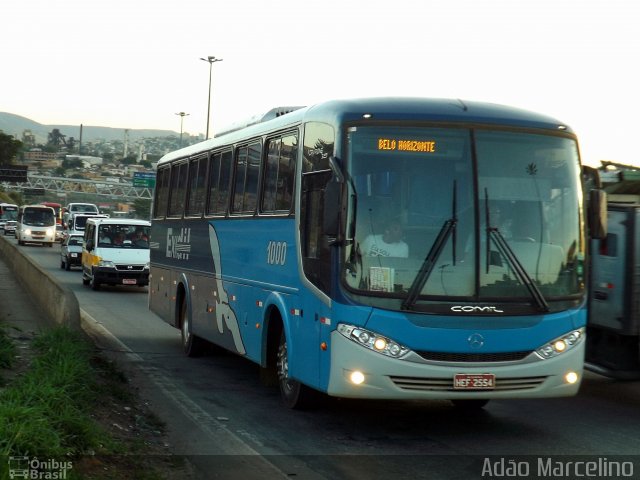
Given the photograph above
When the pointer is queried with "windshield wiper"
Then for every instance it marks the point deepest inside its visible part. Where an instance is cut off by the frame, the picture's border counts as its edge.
(448, 229)
(507, 252)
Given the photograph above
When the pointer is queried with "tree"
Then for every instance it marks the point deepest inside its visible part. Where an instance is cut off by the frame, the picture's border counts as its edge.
(73, 163)
(143, 208)
(9, 148)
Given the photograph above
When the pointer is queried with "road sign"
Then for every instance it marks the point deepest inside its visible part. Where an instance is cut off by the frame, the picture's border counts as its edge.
(144, 179)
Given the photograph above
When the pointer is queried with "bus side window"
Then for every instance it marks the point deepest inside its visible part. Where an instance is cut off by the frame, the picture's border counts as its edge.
(196, 181)
(178, 190)
(247, 173)
(279, 174)
(161, 193)
(219, 174)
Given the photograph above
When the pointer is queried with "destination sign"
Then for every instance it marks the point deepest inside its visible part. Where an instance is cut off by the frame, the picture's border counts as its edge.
(424, 146)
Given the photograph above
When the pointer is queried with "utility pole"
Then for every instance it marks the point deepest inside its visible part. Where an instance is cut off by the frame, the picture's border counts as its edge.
(182, 115)
(211, 61)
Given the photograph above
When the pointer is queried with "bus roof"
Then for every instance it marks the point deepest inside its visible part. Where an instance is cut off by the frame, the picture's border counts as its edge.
(119, 221)
(387, 109)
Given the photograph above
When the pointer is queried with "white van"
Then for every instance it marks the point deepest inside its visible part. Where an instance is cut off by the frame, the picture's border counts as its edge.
(76, 222)
(115, 252)
(36, 224)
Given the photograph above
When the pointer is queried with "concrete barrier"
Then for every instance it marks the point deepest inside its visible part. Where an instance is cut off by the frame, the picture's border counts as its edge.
(58, 301)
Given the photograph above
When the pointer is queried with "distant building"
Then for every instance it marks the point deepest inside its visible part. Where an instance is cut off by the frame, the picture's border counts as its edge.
(86, 159)
(37, 155)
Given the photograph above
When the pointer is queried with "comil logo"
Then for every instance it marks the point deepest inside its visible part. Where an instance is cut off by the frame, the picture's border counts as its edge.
(475, 309)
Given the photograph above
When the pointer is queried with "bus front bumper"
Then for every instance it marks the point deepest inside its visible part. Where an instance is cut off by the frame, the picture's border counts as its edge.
(391, 378)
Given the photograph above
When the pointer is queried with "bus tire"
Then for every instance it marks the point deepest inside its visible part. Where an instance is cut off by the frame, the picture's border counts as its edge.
(294, 394)
(192, 345)
(470, 405)
(61, 263)
(85, 280)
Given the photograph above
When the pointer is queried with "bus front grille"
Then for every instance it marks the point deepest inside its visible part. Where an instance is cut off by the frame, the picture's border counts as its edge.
(473, 357)
(446, 384)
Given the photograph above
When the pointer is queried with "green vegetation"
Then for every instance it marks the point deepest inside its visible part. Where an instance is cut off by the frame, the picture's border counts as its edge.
(7, 351)
(63, 405)
(45, 412)
(9, 148)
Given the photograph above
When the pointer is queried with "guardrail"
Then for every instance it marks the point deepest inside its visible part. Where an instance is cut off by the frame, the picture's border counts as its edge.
(59, 302)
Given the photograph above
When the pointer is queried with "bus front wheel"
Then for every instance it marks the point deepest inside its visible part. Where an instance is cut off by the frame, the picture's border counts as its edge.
(294, 394)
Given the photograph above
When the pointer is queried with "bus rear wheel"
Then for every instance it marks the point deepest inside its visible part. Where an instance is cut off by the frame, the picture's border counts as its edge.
(294, 394)
(193, 346)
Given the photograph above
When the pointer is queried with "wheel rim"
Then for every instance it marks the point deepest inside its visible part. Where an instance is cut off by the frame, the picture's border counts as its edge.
(283, 367)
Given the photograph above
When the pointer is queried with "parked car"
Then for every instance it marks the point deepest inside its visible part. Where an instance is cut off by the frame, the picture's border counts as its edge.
(10, 227)
(71, 252)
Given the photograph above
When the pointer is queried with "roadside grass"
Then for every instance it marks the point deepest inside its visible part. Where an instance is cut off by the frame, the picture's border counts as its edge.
(7, 350)
(64, 406)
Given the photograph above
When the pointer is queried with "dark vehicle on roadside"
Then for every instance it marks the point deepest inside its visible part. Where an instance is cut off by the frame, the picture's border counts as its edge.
(71, 252)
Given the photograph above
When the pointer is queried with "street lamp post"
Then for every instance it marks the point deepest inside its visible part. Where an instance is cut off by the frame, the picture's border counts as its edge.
(211, 61)
(182, 115)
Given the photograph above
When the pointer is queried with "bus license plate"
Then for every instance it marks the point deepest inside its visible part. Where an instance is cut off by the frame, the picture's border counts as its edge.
(129, 281)
(474, 381)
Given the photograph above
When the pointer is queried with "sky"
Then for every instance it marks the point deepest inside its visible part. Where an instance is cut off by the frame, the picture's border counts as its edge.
(136, 63)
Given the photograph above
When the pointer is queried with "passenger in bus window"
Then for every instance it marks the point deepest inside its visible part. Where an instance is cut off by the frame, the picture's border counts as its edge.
(387, 244)
(104, 239)
(139, 238)
(118, 239)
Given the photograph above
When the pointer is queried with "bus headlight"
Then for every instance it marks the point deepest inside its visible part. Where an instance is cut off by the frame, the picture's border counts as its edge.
(561, 344)
(373, 341)
(49, 232)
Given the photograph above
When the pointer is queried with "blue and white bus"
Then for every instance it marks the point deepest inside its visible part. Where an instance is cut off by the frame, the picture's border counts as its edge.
(261, 244)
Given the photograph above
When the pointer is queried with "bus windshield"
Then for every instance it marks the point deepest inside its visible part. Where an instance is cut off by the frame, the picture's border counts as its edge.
(466, 215)
(39, 217)
(8, 212)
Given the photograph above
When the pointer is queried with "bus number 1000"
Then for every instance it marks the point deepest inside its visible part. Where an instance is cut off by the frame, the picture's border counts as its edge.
(276, 253)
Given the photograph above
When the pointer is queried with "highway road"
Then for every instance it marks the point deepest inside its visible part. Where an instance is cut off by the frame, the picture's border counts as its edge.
(231, 426)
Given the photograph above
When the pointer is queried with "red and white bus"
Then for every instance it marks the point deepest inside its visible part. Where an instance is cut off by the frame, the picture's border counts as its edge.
(57, 207)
